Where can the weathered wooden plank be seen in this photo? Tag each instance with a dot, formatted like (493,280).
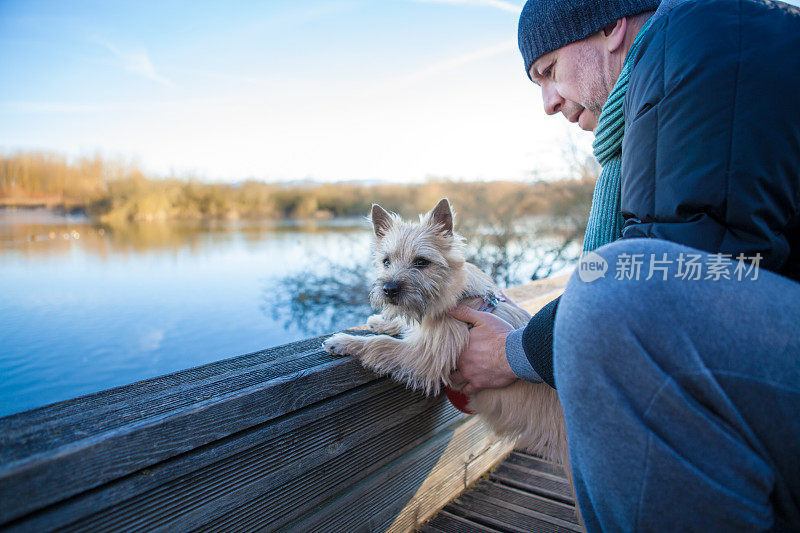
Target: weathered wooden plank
(531,462)
(443,485)
(446,522)
(61,471)
(527,500)
(429,529)
(404,493)
(184,492)
(513,515)
(271,503)
(491,503)
(501,517)
(26,432)
(297,496)
(284,503)
(533,481)
(524,504)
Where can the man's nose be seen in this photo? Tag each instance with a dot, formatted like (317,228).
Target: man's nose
(553,102)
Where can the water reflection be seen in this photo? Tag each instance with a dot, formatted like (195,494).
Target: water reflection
(317,301)
(85,307)
(40,232)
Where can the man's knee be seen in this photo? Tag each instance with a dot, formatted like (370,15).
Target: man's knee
(587,322)
(599,309)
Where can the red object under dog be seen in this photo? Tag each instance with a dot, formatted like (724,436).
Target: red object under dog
(458,399)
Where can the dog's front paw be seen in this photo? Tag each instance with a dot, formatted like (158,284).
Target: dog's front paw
(343,344)
(383,326)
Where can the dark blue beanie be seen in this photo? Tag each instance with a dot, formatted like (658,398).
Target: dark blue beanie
(546,25)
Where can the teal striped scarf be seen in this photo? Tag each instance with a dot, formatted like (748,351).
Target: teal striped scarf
(605,217)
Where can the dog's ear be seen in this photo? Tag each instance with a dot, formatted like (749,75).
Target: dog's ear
(381,220)
(442,216)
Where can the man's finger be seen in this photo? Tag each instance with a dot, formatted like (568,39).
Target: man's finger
(466,314)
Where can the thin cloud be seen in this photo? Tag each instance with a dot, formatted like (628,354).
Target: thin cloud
(498,4)
(138,62)
(453,63)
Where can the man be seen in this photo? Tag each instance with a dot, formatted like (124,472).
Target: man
(675,347)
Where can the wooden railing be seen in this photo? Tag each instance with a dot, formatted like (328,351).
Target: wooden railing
(289,438)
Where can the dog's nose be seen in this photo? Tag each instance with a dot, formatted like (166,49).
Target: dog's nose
(391,289)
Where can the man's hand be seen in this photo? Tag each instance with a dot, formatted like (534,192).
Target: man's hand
(483,363)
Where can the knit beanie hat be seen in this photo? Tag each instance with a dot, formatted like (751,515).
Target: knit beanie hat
(546,25)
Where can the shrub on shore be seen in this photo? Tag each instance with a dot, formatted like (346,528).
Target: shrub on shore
(115,192)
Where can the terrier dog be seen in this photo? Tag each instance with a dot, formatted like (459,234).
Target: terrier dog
(422,274)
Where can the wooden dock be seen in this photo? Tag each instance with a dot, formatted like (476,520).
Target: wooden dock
(286,439)
(523,493)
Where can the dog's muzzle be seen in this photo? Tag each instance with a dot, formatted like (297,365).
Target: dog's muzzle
(391,289)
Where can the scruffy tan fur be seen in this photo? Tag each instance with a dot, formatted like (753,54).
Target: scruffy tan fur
(432,340)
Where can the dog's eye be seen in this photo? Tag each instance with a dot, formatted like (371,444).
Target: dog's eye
(421,262)
(386,262)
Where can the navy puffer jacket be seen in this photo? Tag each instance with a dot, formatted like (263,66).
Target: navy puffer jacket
(711,154)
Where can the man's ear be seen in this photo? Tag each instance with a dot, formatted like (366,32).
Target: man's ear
(381,220)
(614,34)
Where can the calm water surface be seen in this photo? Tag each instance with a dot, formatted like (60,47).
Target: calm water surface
(84,307)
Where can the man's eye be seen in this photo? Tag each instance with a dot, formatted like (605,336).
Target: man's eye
(386,262)
(421,262)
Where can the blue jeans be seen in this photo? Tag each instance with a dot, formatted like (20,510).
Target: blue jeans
(681,396)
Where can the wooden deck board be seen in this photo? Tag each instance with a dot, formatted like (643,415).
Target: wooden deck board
(446,522)
(524,493)
(532,481)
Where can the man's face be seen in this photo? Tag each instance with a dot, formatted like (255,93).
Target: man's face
(574,81)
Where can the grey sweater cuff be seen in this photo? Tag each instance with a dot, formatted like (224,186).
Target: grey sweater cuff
(519,362)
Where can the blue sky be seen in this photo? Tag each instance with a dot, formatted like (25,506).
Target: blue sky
(393,90)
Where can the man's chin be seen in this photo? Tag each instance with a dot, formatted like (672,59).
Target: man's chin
(587,121)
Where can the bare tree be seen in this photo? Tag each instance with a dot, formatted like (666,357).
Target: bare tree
(320,301)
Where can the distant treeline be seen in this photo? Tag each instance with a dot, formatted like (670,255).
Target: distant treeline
(117,192)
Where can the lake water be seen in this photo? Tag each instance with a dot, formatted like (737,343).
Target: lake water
(84,308)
